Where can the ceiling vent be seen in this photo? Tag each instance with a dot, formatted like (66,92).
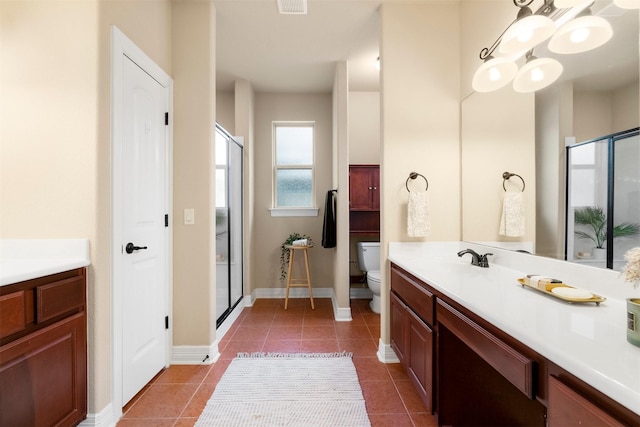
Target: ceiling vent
(292,7)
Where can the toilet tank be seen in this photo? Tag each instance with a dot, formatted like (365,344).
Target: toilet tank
(369,256)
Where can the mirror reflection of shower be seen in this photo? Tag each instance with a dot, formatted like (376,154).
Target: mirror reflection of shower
(603,199)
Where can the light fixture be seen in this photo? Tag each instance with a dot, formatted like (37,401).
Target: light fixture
(627,4)
(527,31)
(565,4)
(536,74)
(378,63)
(571,27)
(292,7)
(584,33)
(494,74)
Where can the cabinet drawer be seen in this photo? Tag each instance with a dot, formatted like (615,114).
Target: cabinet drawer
(517,368)
(59,298)
(13,316)
(414,294)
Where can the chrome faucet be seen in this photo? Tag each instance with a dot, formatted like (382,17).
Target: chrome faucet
(476,258)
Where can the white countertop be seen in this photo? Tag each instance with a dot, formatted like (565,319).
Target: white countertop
(25,259)
(588,341)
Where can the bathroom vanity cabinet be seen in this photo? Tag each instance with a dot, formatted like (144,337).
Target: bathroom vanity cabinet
(412,337)
(469,372)
(364,199)
(43,351)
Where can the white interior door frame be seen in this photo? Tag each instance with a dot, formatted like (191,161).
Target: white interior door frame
(121,47)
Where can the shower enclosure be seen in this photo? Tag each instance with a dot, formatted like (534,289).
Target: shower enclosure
(603,199)
(229,249)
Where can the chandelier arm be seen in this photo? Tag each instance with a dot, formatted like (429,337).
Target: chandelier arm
(522,3)
(486,52)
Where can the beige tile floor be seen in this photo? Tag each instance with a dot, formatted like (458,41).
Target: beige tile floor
(177,396)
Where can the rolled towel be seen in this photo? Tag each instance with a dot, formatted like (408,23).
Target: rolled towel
(418,215)
(512,220)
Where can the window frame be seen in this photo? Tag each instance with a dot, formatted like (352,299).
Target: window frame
(275,167)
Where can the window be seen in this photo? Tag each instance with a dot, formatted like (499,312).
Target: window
(293,169)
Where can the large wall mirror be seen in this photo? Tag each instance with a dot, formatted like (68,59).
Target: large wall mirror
(525,134)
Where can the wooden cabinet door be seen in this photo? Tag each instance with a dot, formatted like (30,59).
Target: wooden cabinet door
(566,408)
(375,192)
(420,358)
(43,376)
(399,321)
(360,188)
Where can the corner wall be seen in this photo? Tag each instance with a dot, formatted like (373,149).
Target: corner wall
(420,116)
(194,291)
(340,181)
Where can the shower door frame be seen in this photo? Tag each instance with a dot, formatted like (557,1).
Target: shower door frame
(231,229)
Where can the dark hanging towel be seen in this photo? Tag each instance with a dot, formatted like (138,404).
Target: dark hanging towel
(329,226)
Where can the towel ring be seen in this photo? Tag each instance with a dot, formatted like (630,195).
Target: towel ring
(507,175)
(414,175)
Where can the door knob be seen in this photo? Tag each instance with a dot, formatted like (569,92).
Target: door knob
(131,247)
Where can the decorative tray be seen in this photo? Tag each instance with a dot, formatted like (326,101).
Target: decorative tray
(564,292)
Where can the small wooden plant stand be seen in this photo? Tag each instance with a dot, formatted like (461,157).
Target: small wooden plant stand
(302,281)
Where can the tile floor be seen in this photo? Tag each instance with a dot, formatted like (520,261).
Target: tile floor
(178,394)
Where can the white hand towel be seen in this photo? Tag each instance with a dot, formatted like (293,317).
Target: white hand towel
(512,220)
(419,216)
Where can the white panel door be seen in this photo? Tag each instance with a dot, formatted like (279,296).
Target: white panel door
(144,337)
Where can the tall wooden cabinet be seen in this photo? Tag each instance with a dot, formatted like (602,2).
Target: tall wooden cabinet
(43,351)
(364,199)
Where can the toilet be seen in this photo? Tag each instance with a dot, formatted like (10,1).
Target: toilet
(369,261)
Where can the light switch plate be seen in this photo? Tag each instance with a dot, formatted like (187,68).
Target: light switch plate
(189,216)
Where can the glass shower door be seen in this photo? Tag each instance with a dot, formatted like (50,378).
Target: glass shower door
(229,215)
(626,203)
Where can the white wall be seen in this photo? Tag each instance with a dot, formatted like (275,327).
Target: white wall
(420,116)
(244,104)
(193,36)
(600,113)
(55,135)
(364,128)
(341,102)
(55,115)
(225,110)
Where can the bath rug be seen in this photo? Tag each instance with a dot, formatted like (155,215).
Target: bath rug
(289,390)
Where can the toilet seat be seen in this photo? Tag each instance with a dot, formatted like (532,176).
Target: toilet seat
(374,275)
(374,283)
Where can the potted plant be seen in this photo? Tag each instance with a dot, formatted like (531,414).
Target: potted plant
(594,218)
(284,251)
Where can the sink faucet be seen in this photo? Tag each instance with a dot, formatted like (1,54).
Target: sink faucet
(477,259)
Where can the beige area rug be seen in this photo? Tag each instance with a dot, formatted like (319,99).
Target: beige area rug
(281,389)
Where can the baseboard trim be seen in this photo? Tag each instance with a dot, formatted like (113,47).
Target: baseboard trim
(195,354)
(104,418)
(293,293)
(386,353)
(340,314)
(360,293)
(230,320)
